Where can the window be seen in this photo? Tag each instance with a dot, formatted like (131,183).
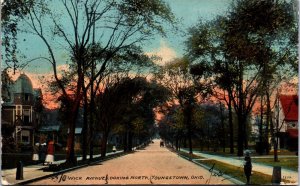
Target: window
(25,136)
(25,139)
(26,120)
(26,97)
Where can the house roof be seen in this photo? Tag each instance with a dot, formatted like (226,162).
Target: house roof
(23,85)
(289,105)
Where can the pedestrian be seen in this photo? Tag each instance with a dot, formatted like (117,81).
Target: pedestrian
(35,152)
(50,152)
(161,143)
(42,152)
(247,166)
(114,149)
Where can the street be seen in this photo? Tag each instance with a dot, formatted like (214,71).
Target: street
(152,165)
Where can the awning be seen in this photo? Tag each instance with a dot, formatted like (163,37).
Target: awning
(293,133)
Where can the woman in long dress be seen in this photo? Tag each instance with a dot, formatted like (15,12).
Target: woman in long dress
(50,152)
(35,156)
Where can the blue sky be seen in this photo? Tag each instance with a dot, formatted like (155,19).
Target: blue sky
(188,11)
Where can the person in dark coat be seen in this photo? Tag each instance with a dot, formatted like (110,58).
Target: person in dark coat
(42,152)
(247,166)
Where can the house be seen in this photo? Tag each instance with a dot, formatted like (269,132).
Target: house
(21,111)
(286,121)
(51,125)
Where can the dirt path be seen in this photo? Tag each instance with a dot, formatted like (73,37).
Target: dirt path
(153,165)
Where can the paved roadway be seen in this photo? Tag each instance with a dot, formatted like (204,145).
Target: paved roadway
(152,165)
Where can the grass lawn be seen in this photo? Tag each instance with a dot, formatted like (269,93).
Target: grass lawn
(257,178)
(288,162)
(219,151)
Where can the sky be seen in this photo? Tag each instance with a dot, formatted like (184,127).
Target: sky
(189,12)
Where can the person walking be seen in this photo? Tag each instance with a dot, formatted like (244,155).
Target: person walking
(35,152)
(247,166)
(50,152)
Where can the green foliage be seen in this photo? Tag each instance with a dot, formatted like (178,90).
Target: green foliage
(12,11)
(129,101)
(247,52)
(153,14)
(6,82)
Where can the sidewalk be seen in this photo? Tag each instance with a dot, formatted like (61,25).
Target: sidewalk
(239,162)
(35,171)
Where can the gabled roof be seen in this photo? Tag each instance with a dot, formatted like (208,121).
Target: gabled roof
(289,105)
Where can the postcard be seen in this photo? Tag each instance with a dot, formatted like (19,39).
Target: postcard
(122,92)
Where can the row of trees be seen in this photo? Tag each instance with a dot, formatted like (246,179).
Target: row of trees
(209,126)
(99,38)
(247,53)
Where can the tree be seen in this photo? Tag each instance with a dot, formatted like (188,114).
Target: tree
(256,28)
(207,54)
(125,101)
(12,12)
(171,127)
(211,125)
(185,89)
(244,45)
(119,26)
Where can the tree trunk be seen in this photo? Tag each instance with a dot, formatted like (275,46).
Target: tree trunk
(103,144)
(190,143)
(223,128)
(267,138)
(277,133)
(271,126)
(84,130)
(125,141)
(70,158)
(241,130)
(261,146)
(176,143)
(240,113)
(91,125)
(245,127)
(276,149)
(230,125)
(240,141)
(188,118)
(130,140)
(184,143)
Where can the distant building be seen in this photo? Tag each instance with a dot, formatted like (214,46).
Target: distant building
(286,117)
(20,111)
(51,125)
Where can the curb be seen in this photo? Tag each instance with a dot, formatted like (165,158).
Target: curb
(235,181)
(70,169)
